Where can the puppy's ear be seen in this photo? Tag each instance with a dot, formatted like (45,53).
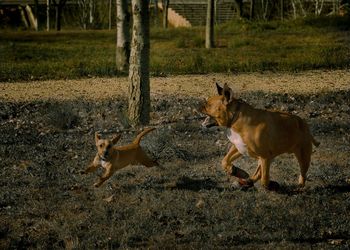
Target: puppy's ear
(219,88)
(97,137)
(228,93)
(116,138)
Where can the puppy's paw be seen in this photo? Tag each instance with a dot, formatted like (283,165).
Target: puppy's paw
(97,184)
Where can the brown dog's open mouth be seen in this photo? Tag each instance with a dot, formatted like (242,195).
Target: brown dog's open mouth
(209,122)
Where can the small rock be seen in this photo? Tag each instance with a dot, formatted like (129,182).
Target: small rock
(200,203)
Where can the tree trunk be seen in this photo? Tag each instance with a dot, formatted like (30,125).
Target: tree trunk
(252,9)
(282,10)
(155,12)
(36,25)
(123,35)
(47,15)
(110,15)
(165,13)
(239,7)
(58,17)
(139,87)
(59,6)
(209,30)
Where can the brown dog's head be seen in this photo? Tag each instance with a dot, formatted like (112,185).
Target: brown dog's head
(104,146)
(217,107)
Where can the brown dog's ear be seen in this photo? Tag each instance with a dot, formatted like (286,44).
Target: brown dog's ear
(116,138)
(219,88)
(228,93)
(97,137)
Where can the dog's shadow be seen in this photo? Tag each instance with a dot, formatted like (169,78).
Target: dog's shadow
(187,183)
(329,189)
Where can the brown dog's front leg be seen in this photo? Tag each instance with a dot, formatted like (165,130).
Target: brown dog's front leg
(105,176)
(93,165)
(226,163)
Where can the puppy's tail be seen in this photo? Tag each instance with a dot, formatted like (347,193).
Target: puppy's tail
(139,136)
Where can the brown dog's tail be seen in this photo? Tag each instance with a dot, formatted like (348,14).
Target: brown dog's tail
(139,136)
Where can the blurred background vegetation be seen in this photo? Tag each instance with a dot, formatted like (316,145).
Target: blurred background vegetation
(302,40)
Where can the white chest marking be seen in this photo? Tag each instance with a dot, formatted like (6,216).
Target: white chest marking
(236,139)
(104,164)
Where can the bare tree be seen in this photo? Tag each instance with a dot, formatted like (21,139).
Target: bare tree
(139,87)
(165,13)
(239,7)
(47,15)
(59,4)
(83,12)
(318,7)
(123,35)
(282,10)
(110,15)
(155,12)
(209,31)
(252,9)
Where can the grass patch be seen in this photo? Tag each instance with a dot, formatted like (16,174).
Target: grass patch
(241,46)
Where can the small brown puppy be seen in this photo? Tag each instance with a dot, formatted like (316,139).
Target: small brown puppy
(113,158)
(261,134)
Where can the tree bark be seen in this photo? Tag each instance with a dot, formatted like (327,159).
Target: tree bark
(47,15)
(282,10)
(110,15)
(139,86)
(123,35)
(59,6)
(155,12)
(58,17)
(239,7)
(209,30)
(252,9)
(165,13)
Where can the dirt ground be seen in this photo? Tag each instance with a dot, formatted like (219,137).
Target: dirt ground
(46,139)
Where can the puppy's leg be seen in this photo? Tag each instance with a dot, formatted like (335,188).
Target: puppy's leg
(145,160)
(93,165)
(107,174)
(304,157)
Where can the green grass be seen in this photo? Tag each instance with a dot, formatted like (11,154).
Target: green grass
(242,46)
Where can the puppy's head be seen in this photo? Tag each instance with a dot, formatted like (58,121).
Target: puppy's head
(217,107)
(104,146)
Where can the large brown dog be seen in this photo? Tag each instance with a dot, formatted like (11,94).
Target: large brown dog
(260,134)
(113,158)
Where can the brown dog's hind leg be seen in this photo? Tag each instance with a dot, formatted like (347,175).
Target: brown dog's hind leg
(304,157)
(145,160)
(265,172)
(257,175)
